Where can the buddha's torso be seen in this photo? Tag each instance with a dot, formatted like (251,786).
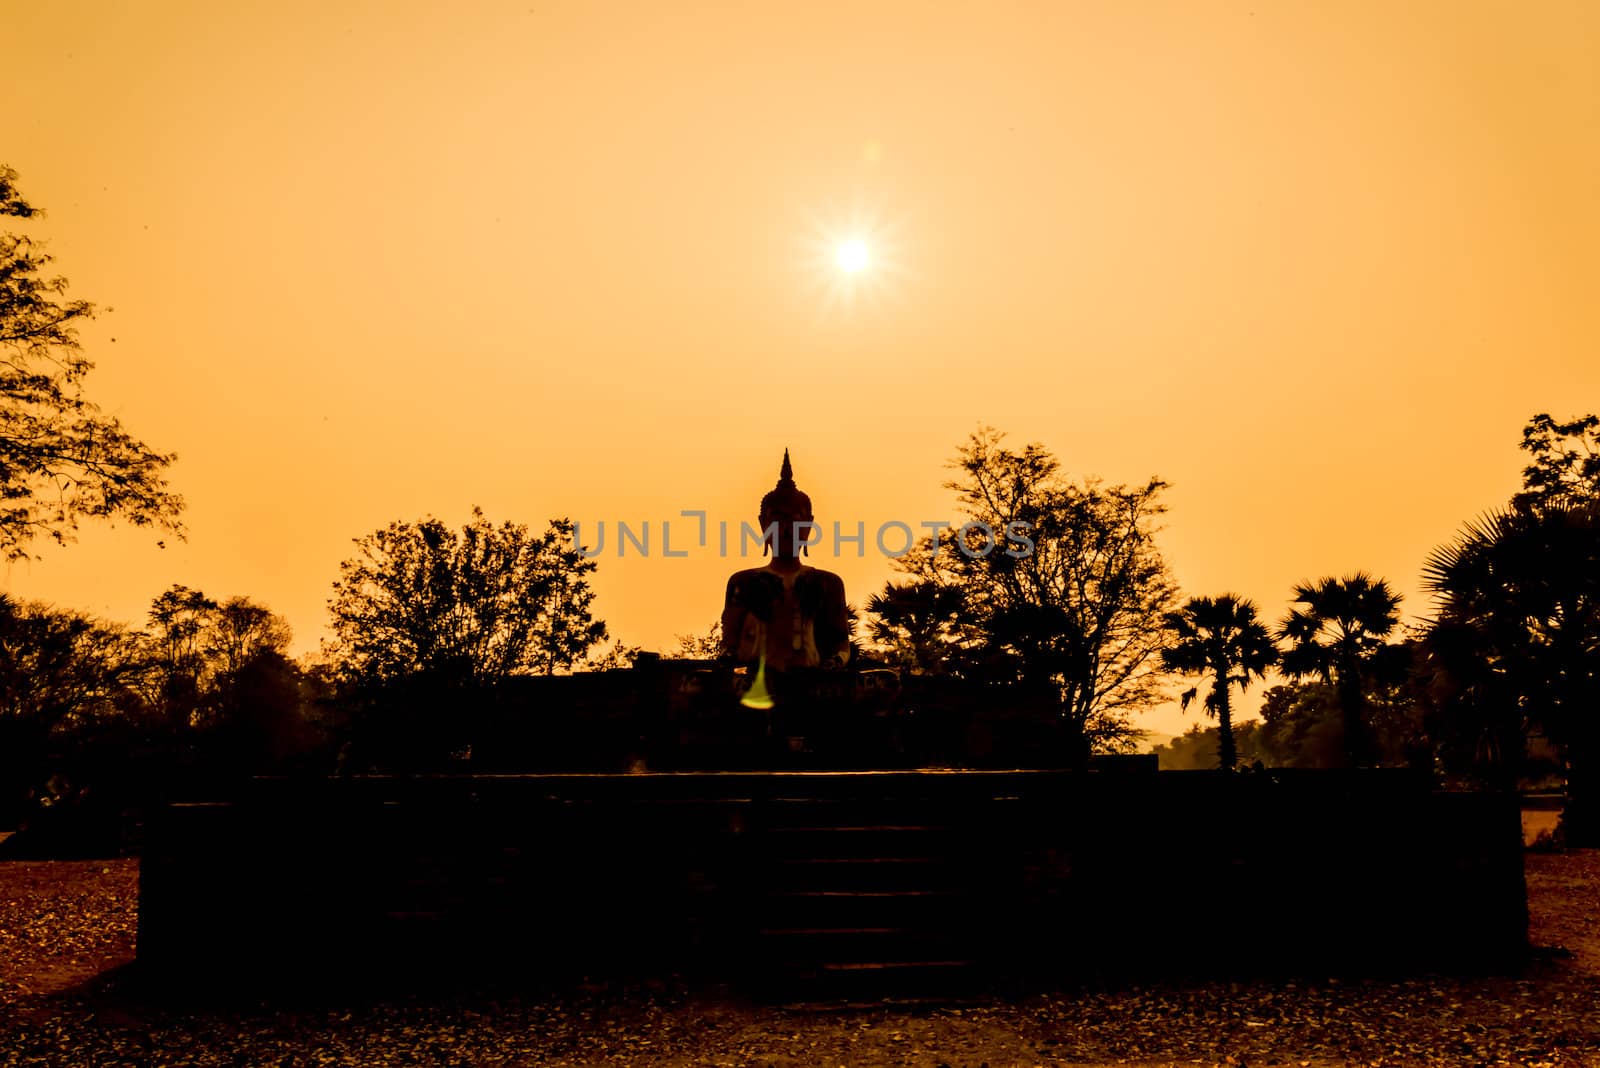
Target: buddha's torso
(777,611)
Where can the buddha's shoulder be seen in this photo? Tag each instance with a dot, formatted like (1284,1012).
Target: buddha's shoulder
(752,576)
(825,579)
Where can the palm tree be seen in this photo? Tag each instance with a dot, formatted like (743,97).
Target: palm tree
(1337,634)
(1519,599)
(1223,638)
(919,624)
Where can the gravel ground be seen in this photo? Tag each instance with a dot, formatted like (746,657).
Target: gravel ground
(66,926)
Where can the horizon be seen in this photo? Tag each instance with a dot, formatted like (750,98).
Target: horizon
(1315,269)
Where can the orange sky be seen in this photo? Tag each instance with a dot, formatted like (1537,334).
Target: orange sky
(1313,264)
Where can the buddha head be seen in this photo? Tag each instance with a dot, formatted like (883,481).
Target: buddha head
(790,509)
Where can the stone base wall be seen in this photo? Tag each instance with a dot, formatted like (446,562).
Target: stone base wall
(455,881)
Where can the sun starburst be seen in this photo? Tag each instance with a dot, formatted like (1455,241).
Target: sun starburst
(854,260)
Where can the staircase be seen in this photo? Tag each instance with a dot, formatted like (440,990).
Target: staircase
(862,898)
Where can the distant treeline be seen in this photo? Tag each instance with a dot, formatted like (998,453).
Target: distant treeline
(1300,726)
(1089,627)
(429,621)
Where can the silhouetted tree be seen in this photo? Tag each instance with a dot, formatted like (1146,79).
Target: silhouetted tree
(468,607)
(1076,611)
(179,619)
(1565,461)
(705,646)
(96,719)
(920,626)
(241,631)
(64,677)
(1196,748)
(1339,634)
(60,668)
(263,712)
(1476,716)
(200,651)
(1302,726)
(60,458)
(1517,638)
(1223,638)
(615,657)
(1302,723)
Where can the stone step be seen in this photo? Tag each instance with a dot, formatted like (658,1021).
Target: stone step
(855,947)
(871,908)
(930,981)
(872,840)
(846,874)
(864,812)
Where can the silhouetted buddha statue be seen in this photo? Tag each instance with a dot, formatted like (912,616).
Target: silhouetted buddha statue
(787,615)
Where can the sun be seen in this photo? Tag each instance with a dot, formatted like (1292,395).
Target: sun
(852,256)
(855,260)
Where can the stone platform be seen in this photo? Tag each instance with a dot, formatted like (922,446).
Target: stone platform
(781,879)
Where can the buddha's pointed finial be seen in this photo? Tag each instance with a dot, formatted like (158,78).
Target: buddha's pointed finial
(786,496)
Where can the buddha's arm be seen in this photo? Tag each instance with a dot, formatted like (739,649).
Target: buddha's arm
(732,619)
(833,625)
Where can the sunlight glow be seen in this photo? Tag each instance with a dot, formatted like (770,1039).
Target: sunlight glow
(854,260)
(852,255)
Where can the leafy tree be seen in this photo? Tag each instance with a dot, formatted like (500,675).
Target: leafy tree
(1476,715)
(1072,610)
(1196,748)
(1515,645)
(705,646)
(1302,724)
(564,628)
(241,632)
(199,651)
(61,459)
(1516,642)
(64,677)
(1339,635)
(469,607)
(179,620)
(616,657)
(96,717)
(257,700)
(1565,460)
(1223,638)
(263,712)
(61,669)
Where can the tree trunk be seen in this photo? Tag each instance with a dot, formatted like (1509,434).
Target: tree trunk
(1227,756)
(1357,743)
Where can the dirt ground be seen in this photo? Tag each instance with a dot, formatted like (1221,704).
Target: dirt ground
(65,927)
(1564,905)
